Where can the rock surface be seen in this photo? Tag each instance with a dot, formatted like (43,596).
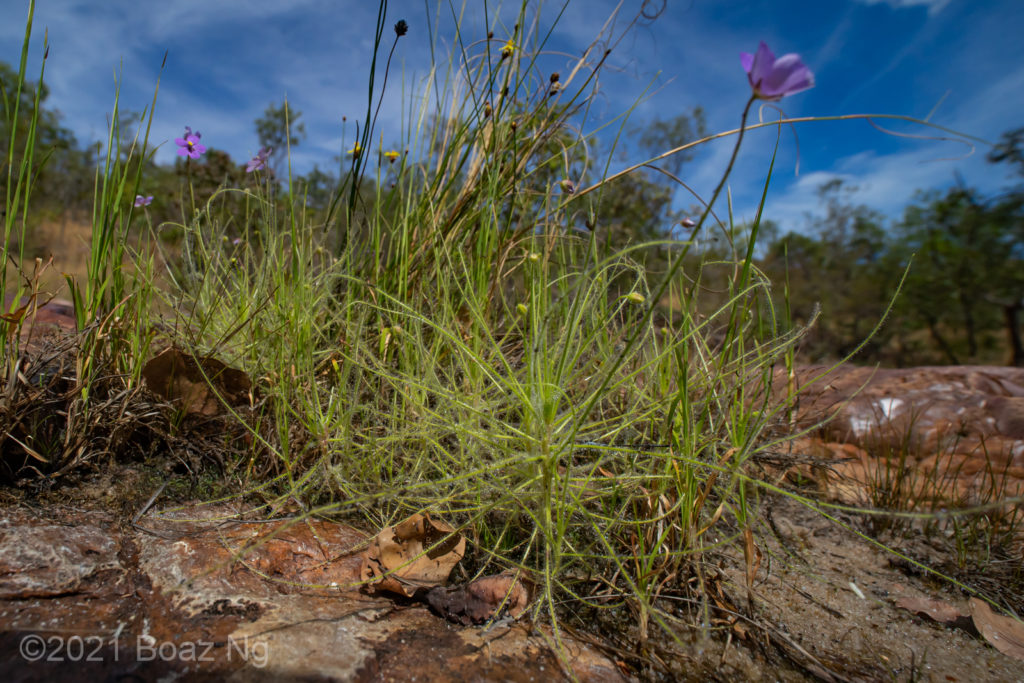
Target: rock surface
(85,597)
(952,433)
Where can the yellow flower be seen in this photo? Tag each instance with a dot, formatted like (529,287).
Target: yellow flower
(391,155)
(356,150)
(521,309)
(508,48)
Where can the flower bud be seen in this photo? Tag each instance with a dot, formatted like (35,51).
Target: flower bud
(635,298)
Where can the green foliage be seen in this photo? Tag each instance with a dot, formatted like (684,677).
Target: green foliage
(279,128)
(438,335)
(464,348)
(843,266)
(62,171)
(638,207)
(968,277)
(962,297)
(654,137)
(1010,149)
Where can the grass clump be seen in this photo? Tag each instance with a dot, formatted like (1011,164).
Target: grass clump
(454,341)
(450,333)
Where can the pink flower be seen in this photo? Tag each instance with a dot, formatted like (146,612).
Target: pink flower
(189,145)
(773,79)
(260,160)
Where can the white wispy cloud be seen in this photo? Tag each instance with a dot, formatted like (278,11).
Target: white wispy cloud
(229,59)
(933,6)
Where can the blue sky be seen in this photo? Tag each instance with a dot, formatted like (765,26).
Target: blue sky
(228,59)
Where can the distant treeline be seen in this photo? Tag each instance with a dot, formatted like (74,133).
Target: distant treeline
(961,297)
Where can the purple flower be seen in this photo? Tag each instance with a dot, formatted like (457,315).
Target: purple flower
(773,79)
(143,201)
(189,145)
(260,160)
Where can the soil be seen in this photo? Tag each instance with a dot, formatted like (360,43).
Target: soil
(823,605)
(834,595)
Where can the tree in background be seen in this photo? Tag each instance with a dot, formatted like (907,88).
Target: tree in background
(967,277)
(962,298)
(279,129)
(660,135)
(1010,149)
(63,172)
(841,263)
(1011,208)
(639,206)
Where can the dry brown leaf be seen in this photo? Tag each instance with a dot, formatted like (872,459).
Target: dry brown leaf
(13,319)
(937,610)
(419,553)
(178,376)
(483,599)
(1003,633)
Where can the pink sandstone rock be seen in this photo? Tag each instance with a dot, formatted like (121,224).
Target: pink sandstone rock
(957,432)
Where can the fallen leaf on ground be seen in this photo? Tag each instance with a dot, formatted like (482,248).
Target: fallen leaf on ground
(195,382)
(481,600)
(936,610)
(1005,634)
(417,554)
